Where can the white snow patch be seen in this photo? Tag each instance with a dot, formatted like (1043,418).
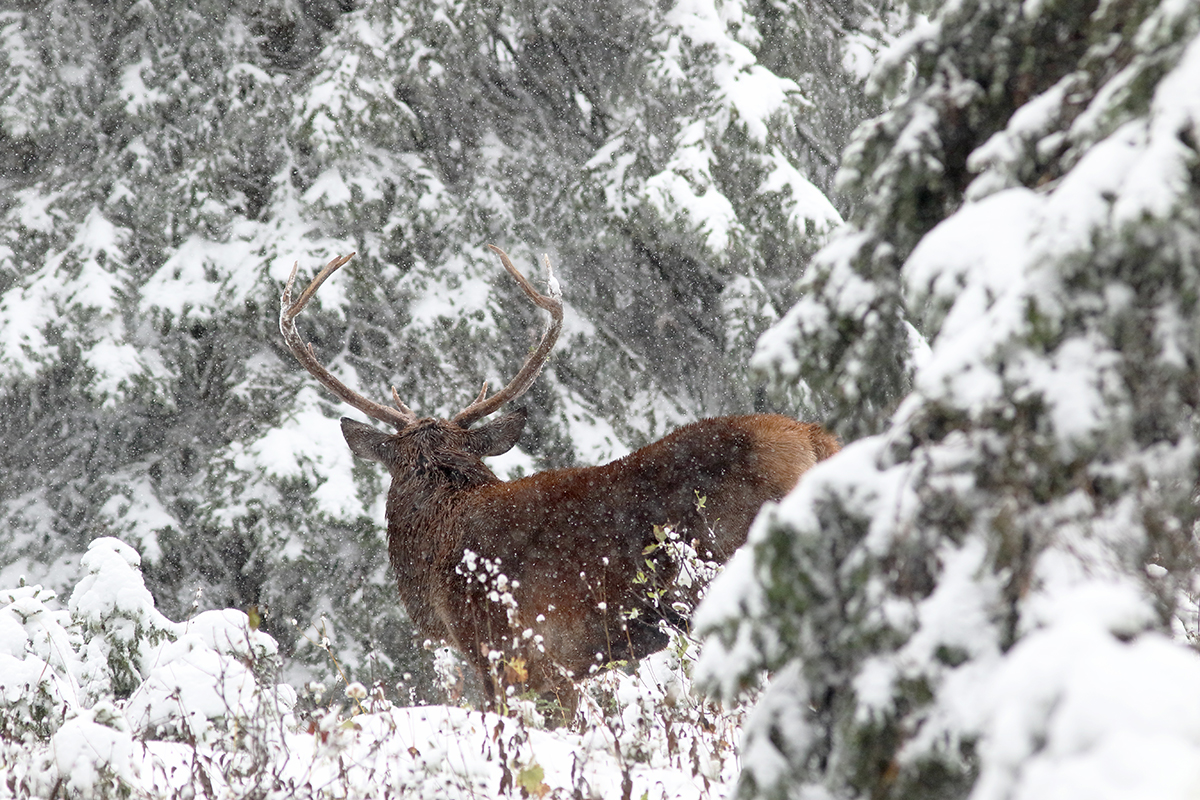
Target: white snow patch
(594,439)
(307,445)
(685,187)
(135,510)
(809,205)
(516,462)
(134,91)
(749,89)
(196,279)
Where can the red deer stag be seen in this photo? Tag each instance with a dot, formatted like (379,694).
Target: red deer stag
(543,569)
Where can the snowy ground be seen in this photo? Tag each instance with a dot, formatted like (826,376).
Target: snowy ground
(105,697)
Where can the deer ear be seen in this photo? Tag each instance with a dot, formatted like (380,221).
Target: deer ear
(498,436)
(365,441)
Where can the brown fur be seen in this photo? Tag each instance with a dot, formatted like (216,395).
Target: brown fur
(569,541)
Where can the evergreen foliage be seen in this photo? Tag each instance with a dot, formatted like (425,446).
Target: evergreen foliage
(977,599)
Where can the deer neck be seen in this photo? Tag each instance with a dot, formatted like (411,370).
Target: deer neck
(423,504)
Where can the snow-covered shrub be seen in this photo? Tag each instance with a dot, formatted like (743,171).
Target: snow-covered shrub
(214,669)
(93,754)
(38,663)
(979,601)
(117,618)
(82,688)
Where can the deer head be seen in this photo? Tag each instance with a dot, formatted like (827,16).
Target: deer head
(450,437)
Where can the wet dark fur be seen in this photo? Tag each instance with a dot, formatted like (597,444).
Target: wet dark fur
(567,540)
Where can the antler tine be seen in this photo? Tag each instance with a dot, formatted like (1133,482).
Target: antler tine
(306,354)
(400,405)
(308,293)
(482,394)
(483,405)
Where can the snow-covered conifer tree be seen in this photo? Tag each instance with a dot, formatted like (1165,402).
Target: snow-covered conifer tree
(987,597)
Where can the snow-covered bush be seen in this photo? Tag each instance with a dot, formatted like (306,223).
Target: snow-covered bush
(988,598)
(38,658)
(83,687)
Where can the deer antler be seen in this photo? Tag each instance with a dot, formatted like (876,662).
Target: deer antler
(484,405)
(307,356)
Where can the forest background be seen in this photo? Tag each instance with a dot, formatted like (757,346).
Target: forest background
(1004,330)
(165,167)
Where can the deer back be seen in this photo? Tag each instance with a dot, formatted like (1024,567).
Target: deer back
(573,539)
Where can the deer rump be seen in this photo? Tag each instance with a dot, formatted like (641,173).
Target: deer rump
(570,543)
